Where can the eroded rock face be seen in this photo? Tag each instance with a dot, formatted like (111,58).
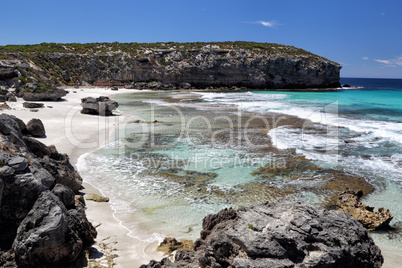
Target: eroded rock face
(349,201)
(98,106)
(263,66)
(282,234)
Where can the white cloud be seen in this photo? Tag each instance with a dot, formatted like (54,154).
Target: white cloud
(383,61)
(365,58)
(392,62)
(270,24)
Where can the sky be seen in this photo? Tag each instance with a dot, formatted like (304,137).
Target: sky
(364,36)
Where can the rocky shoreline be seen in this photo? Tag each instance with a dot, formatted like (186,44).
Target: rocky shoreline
(59,199)
(280,234)
(41,220)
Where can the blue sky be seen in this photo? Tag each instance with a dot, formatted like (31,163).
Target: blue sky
(365,36)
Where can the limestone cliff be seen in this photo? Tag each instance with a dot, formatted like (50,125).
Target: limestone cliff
(227,64)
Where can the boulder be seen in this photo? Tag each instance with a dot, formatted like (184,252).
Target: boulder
(3,98)
(35,223)
(36,147)
(42,175)
(54,95)
(12,132)
(4,106)
(65,194)
(282,234)
(349,201)
(18,163)
(8,125)
(61,169)
(22,126)
(35,128)
(32,105)
(44,237)
(4,172)
(79,223)
(114,88)
(20,192)
(185,85)
(98,106)
(11,97)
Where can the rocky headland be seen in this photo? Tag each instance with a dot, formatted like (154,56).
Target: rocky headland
(41,223)
(41,68)
(281,234)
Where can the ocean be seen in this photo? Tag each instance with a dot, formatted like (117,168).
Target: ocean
(182,155)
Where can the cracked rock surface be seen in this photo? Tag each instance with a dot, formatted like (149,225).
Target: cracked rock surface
(282,234)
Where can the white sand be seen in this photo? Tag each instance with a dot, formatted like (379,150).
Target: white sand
(74,133)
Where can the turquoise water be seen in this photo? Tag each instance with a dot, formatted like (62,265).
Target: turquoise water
(166,190)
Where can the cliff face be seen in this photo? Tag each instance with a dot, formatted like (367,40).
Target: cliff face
(202,65)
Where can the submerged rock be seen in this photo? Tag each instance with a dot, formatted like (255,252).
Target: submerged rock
(170,244)
(349,201)
(96,198)
(282,234)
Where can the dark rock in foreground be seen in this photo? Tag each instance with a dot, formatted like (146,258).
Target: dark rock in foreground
(349,201)
(39,220)
(282,234)
(44,236)
(98,106)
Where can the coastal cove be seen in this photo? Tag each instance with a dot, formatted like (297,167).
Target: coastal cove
(170,179)
(167,159)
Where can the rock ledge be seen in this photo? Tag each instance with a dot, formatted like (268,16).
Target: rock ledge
(281,234)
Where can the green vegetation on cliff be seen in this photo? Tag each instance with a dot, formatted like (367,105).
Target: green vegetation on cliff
(41,67)
(135,49)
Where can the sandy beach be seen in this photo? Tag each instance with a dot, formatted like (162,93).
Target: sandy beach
(75,134)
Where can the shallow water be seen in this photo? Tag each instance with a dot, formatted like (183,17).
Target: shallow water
(162,178)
